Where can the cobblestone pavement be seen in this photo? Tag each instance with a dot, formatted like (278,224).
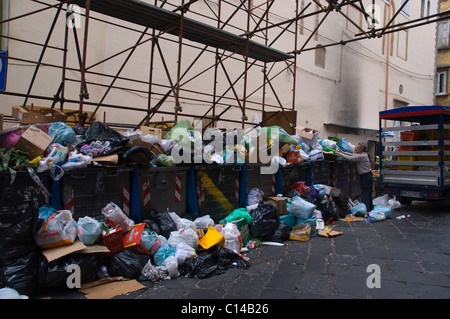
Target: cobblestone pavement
(413,255)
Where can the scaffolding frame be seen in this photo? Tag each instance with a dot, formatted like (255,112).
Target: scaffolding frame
(257,25)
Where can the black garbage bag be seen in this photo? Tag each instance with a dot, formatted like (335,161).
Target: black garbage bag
(138,154)
(161,223)
(281,234)
(213,261)
(101,132)
(54,274)
(329,209)
(265,221)
(19,254)
(127,263)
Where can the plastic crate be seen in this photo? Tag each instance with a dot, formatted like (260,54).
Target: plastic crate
(17,197)
(217,189)
(162,189)
(86,191)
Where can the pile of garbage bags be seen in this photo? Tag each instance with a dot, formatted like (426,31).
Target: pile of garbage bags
(162,247)
(77,147)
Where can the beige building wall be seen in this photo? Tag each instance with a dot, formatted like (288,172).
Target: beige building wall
(339,93)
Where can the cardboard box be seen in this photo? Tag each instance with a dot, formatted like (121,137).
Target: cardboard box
(153,148)
(34,141)
(279,203)
(286,148)
(39,115)
(145,130)
(113,240)
(132,239)
(308,135)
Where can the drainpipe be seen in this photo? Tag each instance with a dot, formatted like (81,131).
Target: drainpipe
(388,52)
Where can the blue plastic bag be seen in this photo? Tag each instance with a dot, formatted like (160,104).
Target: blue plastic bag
(62,133)
(359,209)
(344,145)
(162,253)
(386,210)
(301,208)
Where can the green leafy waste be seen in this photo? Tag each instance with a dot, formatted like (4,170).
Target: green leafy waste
(11,159)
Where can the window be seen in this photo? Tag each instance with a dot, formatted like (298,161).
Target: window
(443,34)
(441,83)
(402,44)
(424,8)
(320,56)
(407,8)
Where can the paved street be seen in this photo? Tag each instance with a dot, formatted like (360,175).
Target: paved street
(413,255)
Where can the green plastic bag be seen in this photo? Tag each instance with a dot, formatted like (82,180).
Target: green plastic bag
(238,214)
(284,137)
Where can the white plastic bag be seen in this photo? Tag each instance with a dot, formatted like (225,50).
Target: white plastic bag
(186,235)
(167,145)
(381,201)
(395,204)
(172,266)
(59,229)
(316,155)
(88,230)
(116,216)
(184,251)
(155,273)
(182,222)
(233,238)
(204,222)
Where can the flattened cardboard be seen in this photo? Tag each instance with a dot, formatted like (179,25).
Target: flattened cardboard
(111,289)
(58,252)
(329,233)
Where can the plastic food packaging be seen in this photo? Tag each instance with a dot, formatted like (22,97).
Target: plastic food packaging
(116,217)
(58,230)
(300,232)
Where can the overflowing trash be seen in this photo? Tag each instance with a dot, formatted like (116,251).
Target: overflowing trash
(38,249)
